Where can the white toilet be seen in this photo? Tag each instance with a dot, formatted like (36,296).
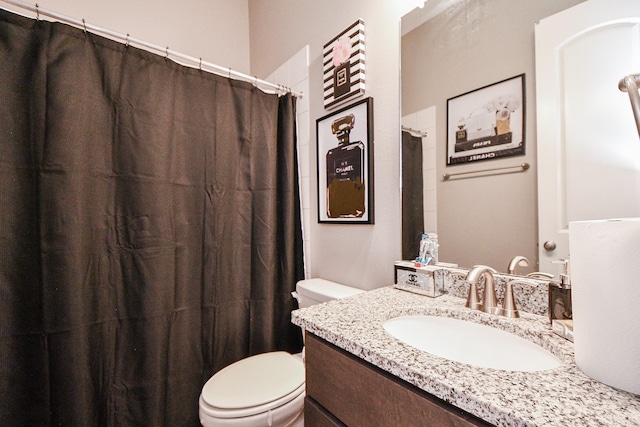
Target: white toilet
(266,389)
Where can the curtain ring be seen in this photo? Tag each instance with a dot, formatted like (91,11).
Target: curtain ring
(37,12)
(127,41)
(84,24)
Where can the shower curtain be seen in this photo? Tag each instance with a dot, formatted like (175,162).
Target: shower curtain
(149,229)
(412,196)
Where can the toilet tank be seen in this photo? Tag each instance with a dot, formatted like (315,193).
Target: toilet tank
(316,291)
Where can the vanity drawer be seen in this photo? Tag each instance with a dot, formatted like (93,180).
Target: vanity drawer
(316,416)
(362,395)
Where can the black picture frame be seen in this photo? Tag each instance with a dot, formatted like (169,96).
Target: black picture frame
(345,164)
(487,123)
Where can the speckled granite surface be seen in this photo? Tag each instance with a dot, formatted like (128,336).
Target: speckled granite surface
(558,397)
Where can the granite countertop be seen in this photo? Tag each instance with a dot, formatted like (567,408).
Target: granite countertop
(562,396)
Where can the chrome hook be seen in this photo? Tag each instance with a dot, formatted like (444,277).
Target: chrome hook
(37,12)
(127,41)
(166,53)
(200,65)
(229,72)
(84,24)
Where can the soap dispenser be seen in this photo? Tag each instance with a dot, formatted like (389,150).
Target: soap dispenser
(560,308)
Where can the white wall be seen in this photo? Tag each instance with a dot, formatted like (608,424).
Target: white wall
(215,30)
(294,73)
(356,255)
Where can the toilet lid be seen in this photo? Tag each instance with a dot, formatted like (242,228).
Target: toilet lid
(254,381)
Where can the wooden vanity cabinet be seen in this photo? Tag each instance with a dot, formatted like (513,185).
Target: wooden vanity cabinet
(344,390)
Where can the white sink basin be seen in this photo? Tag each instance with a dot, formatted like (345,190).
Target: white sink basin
(471,343)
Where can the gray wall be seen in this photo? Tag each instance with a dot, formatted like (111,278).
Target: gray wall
(489,219)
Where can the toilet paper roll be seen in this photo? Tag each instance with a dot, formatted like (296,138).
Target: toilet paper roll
(605,270)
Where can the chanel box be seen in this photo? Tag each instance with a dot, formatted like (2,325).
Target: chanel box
(427,280)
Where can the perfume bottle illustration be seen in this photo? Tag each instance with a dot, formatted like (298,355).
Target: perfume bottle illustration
(345,167)
(342,67)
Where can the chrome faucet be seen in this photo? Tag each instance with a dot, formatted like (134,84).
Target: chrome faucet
(518,260)
(521,261)
(489,300)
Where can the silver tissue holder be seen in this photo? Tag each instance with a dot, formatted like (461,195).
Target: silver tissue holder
(427,280)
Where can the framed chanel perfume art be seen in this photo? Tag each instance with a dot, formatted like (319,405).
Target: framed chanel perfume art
(345,164)
(487,123)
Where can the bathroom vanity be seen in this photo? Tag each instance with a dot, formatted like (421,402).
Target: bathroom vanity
(345,390)
(359,375)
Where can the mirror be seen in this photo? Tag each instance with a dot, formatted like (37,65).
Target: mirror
(450,48)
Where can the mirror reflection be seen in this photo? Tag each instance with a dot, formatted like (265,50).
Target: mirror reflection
(449,48)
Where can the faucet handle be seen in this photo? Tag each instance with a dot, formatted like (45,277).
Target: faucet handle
(509,308)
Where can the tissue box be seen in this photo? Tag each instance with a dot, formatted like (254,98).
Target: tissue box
(427,280)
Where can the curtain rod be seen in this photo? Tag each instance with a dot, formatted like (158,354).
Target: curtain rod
(419,132)
(168,53)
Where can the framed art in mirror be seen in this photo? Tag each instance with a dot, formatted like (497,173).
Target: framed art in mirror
(487,123)
(345,164)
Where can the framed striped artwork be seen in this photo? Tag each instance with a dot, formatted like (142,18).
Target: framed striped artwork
(344,66)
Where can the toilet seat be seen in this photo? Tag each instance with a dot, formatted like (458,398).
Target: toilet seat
(254,385)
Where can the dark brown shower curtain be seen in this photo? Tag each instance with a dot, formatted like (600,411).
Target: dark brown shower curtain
(412,196)
(149,229)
